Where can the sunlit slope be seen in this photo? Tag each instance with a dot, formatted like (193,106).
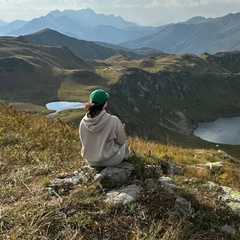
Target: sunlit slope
(160,98)
(35,74)
(35,150)
(173,92)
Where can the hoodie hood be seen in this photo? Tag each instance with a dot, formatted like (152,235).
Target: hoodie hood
(96,124)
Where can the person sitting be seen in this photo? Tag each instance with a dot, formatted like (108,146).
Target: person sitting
(102,135)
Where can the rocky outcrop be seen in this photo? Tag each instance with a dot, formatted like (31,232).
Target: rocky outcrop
(121,188)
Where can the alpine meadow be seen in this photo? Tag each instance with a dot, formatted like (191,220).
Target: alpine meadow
(163,81)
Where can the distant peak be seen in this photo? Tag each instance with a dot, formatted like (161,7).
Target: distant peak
(196,20)
(55,11)
(45,30)
(88,10)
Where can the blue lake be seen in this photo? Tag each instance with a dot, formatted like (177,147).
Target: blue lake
(63,105)
(223,130)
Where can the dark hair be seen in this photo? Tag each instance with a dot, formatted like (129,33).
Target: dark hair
(92,109)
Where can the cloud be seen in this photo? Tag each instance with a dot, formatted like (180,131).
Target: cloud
(186,3)
(144,12)
(111,4)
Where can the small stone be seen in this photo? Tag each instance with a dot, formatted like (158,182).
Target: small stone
(211,186)
(228,229)
(182,206)
(152,186)
(168,184)
(124,195)
(172,169)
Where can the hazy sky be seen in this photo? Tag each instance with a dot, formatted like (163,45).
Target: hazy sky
(144,12)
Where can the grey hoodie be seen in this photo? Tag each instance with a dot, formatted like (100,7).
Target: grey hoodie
(103,139)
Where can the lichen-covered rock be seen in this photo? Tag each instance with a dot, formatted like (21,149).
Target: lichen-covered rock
(211,186)
(88,175)
(124,195)
(67,182)
(172,169)
(167,184)
(152,185)
(215,167)
(182,206)
(117,173)
(232,199)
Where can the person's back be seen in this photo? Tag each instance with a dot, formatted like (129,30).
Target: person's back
(102,135)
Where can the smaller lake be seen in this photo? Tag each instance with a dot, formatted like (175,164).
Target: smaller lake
(223,130)
(63,105)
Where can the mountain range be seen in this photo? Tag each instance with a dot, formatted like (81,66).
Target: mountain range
(86,49)
(211,36)
(83,24)
(197,35)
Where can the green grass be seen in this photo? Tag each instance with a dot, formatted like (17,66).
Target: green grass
(35,150)
(75,85)
(198,87)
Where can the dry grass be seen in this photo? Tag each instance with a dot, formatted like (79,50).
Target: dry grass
(35,150)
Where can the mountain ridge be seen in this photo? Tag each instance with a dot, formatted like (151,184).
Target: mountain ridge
(82,48)
(80,24)
(196,35)
(211,36)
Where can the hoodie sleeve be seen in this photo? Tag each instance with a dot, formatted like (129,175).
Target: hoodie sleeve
(120,133)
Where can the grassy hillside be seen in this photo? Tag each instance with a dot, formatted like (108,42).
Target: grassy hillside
(81,48)
(165,97)
(159,98)
(31,76)
(35,150)
(16,52)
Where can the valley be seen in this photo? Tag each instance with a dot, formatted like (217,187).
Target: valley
(159,98)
